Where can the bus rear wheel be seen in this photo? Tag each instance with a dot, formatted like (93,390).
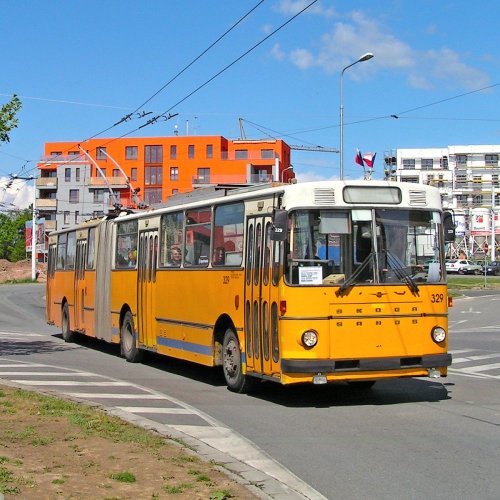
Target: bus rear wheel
(231,364)
(67,334)
(128,345)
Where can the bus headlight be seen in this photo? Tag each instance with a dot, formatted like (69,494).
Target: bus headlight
(309,339)
(438,334)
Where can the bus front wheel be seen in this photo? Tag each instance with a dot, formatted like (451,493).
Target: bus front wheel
(129,348)
(67,334)
(231,364)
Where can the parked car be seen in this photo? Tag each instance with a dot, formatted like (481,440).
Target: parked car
(492,268)
(462,266)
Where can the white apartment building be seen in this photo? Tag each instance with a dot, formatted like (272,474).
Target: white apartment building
(468,180)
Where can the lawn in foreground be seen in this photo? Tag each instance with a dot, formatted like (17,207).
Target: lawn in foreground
(54,448)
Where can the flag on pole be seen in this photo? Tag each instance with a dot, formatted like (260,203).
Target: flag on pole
(359,159)
(369,159)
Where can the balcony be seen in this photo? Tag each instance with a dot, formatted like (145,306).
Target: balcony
(46,183)
(232,179)
(50,225)
(114,182)
(63,159)
(46,204)
(251,155)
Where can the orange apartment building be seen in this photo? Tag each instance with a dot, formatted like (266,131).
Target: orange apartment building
(77,182)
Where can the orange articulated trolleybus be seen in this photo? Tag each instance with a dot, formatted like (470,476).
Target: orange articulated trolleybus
(299,283)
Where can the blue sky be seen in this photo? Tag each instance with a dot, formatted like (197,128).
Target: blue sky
(80,66)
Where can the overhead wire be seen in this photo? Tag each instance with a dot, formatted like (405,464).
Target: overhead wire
(179,73)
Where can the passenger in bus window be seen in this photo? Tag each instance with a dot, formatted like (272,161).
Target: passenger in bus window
(219,256)
(175,257)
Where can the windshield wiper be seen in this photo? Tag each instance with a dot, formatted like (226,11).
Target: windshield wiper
(354,276)
(401,273)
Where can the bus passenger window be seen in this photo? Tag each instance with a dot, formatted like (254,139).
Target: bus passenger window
(198,237)
(172,228)
(228,235)
(126,245)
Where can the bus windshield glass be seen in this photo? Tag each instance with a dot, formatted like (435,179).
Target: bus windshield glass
(364,246)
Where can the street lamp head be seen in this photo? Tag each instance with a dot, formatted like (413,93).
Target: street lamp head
(366,57)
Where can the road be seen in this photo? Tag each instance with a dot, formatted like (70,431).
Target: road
(408,438)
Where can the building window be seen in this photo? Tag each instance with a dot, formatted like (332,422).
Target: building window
(266,154)
(153,175)
(66,218)
(133,174)
(461,159)
(56,153)
(494,180)
(131,152)
(444,163)
(191,151)
(175,191)
(116,172)
(174,173)
(77,174)
(477,179)
(173,152)
(97,213)
(461,200)
(99,196)
(477,200)
(409,164)
(101,153)
(152,195)
(241,154)
(204,174)
(67,174)
(77,216)
(153,154)
(460,179)
(210,151)
(491,160)
(73,153)
(74,195)
(427,163)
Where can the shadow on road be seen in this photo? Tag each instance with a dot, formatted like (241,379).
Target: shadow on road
(385,392)
(25,348)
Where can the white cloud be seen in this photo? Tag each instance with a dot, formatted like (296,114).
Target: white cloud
(18,196)
(358,34)
(277,53)
(292,7)
(302,58)
(446,65)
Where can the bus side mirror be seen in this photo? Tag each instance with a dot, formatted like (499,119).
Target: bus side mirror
(448,227)
(280,225)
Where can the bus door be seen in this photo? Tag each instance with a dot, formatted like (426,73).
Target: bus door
(260,295)
(146,279)
(80,288)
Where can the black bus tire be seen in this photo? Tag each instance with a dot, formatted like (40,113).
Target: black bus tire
(67,334)
(128,345)
(232,367)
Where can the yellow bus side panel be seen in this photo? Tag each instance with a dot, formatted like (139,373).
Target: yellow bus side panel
(189,303)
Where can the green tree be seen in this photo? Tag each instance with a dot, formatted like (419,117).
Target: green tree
(8,120)
(12,235)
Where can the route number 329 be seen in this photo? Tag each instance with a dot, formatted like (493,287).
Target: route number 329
(437,297)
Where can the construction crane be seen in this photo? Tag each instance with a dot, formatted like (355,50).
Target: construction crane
(320,149)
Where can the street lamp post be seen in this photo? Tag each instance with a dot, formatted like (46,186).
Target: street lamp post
(364,57)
